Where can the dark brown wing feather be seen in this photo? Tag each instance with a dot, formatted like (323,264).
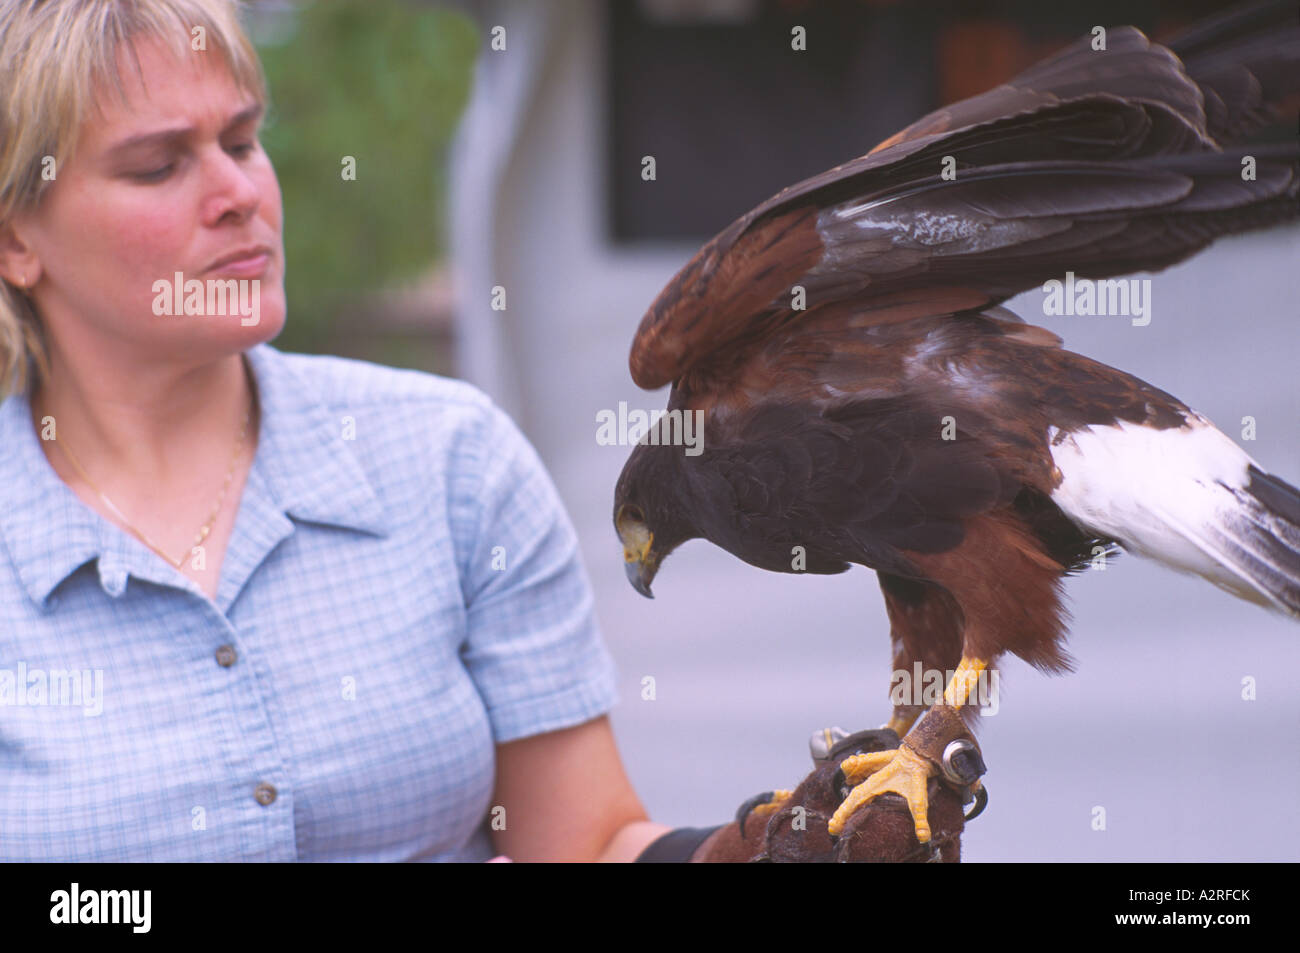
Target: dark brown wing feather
(873,442)
(1102,163)
(858,482)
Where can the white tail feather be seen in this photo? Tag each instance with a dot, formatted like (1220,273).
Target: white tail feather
(1182,496)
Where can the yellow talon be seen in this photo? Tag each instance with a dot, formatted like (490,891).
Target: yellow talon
(772,806)
(858,767)
(761,804)
(904,771)
(901,771)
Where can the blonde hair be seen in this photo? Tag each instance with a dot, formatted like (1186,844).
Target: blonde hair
(55,56)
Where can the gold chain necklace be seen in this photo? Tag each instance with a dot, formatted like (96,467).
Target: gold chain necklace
(204,530)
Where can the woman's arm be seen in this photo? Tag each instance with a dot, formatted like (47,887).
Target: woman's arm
(567,798)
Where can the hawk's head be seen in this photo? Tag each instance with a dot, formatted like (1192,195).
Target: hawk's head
(650,515)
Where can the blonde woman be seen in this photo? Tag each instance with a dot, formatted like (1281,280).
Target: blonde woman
(253,605)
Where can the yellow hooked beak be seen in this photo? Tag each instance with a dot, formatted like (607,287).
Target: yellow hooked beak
(639,562)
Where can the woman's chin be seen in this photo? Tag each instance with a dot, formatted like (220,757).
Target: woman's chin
(243,332)
(221,337)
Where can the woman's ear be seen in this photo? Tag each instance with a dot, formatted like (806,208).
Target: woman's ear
(19,264)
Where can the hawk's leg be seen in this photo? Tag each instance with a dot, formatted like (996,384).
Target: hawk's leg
(925,631)
(904,718)
(907,769)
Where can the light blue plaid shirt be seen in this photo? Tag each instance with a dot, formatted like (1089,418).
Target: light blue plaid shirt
(402,591)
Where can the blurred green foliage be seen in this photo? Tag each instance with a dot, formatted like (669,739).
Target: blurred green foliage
(383,81)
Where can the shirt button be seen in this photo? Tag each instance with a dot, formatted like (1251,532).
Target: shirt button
(265,794)
(226,656)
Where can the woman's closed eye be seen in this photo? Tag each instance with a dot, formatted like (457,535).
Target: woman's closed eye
(156,176)
(241,150)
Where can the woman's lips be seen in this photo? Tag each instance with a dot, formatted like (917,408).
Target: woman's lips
(250,267)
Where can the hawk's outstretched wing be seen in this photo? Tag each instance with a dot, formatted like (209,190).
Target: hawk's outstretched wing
(1100,162)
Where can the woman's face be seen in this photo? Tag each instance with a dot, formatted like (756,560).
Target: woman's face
(126,212)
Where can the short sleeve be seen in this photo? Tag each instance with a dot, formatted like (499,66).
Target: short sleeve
(532,645)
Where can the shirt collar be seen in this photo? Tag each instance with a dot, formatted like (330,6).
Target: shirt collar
(302,469)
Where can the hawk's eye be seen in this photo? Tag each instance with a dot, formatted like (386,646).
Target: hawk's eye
(631,512)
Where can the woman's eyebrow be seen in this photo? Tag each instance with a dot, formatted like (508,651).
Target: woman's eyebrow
(243,116)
